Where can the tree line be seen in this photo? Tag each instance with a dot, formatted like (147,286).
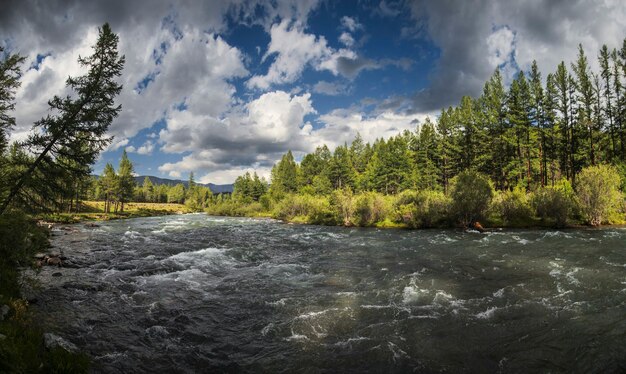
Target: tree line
(531,141)
(117,188)
(530,135)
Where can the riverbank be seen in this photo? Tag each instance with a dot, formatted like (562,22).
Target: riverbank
(94,211)
(24,346)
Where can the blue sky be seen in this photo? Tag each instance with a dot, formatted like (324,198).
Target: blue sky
(224,87)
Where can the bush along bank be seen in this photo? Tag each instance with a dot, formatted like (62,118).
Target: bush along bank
(471,202)
(24,347)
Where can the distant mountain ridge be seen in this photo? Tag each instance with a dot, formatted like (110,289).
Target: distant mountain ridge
(215,188)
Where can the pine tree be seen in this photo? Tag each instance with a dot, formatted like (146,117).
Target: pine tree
(125,180)
(427,157)
(448,148)
(341,173)
(10,73)
(606,73)
(493,114)
(109,184)
(148,190)
(284,176)
(585,131)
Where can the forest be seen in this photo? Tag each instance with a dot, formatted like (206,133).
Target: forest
(547,150)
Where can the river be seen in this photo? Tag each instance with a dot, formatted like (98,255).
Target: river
(194,293)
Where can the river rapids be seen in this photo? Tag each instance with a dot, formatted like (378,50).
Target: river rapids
(194,293)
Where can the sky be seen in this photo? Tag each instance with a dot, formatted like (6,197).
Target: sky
(219,88)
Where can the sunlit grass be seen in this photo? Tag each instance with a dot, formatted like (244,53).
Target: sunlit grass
(94,211)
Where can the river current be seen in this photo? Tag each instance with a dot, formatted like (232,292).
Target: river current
(194,293)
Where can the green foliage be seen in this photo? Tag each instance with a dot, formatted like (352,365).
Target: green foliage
(10,73)
(370,208)
(20,238)
(513,206)
(471,194)
(125,181)
(554,203)
(176,194)
(70,138)
(344,203)
(598,193)
(421,209)
(248,188)
(21,351)
(284,176)
(305,209)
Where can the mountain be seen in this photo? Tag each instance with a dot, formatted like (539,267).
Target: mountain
(215,188)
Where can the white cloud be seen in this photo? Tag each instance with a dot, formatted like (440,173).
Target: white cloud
(294,50)
(350,24)
(346,39)
(146,148)
(341,126)
(229,176)
(500,45)
(257,134)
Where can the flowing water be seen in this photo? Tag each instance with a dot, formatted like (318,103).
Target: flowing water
(194,293)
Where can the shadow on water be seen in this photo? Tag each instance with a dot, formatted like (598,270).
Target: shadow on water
(195,293)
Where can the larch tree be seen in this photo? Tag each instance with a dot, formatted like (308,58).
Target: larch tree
(77,125)
(125,180)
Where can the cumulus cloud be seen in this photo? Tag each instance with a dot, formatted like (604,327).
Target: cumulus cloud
(341,125)
(294,50)
(254,135)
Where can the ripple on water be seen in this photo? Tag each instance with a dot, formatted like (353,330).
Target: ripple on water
(263,296)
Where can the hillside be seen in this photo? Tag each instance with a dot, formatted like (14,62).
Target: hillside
(215,188)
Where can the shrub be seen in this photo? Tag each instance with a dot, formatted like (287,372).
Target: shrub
(343,203)
(513,206)
(305,209)
(421,209)
(370,208)
(598,193)
(20,237)
(554,203)
(320,211)
(291,206)
(471,194)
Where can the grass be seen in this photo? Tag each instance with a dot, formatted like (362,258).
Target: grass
(94,211)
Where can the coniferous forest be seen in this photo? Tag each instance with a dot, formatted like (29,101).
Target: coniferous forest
(535,142)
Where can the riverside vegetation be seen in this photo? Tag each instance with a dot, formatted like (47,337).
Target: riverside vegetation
(46,172)
(542,153)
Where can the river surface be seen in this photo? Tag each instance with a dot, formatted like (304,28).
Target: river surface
(194,293)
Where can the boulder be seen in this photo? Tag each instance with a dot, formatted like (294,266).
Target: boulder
(40,256)
(54,261)
(478,227)
(4,310)
(52,341)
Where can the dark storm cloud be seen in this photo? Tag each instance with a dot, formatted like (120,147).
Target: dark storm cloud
(546,30)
